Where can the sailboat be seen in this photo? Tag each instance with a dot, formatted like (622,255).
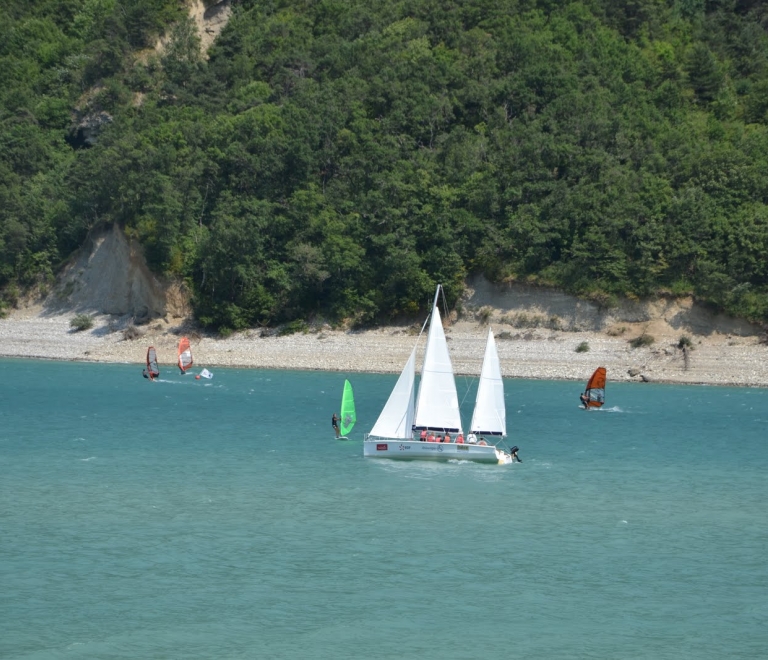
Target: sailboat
(153,371)
(185,355)
(437,407)
(348,416)
(594,395)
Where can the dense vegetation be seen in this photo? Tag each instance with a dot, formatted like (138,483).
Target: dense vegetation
(341,156)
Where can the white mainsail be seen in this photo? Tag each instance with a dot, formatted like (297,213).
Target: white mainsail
(396,420)
(438,404)
(490,416)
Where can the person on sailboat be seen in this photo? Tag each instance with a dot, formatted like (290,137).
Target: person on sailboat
(335,424)
(447,437)
(472,439)
(423,435)
(460,439)
(513,453)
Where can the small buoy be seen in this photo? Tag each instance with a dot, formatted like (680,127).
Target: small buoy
(197,377)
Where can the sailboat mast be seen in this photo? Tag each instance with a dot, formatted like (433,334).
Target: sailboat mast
(437,295)
(430,319)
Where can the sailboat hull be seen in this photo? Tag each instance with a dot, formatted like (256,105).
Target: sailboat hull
(412,450)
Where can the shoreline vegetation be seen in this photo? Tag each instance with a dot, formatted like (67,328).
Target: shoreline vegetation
(528,353)
(340,159)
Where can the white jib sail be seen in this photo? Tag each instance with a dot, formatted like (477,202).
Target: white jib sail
(396,419)
(490,416)
(438,404)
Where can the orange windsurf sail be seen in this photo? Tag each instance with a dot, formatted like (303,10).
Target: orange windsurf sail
(595,392)
(185,355)
(152,369)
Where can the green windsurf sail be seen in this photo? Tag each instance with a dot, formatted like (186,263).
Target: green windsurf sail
(348,417)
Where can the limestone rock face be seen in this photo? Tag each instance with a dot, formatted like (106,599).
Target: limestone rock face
(663,318)
(85,133)
(211,18)
(110,276)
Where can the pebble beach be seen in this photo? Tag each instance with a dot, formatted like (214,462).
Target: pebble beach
(539,353)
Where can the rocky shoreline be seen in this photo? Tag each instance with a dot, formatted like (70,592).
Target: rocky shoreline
(535,353)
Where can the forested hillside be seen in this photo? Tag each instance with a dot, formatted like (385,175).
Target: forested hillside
(340,157)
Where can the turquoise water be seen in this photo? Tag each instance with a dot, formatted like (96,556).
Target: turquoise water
(191,519)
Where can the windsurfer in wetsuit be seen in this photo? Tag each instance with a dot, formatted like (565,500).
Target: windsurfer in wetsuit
(335,423)
(584,399)
(144,373)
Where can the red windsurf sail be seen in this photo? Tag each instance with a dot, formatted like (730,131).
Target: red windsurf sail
(185,355)
(595,392)
(152,369)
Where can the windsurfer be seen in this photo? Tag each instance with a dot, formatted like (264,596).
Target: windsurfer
(594,394)
(144,373)
(335,423)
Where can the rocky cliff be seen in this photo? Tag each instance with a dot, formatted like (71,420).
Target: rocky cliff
(109,275)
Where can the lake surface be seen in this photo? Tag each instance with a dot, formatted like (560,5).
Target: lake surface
(220,519)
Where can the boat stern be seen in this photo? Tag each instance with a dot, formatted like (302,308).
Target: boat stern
(503,457)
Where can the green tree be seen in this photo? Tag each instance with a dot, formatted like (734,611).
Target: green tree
(704,73)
